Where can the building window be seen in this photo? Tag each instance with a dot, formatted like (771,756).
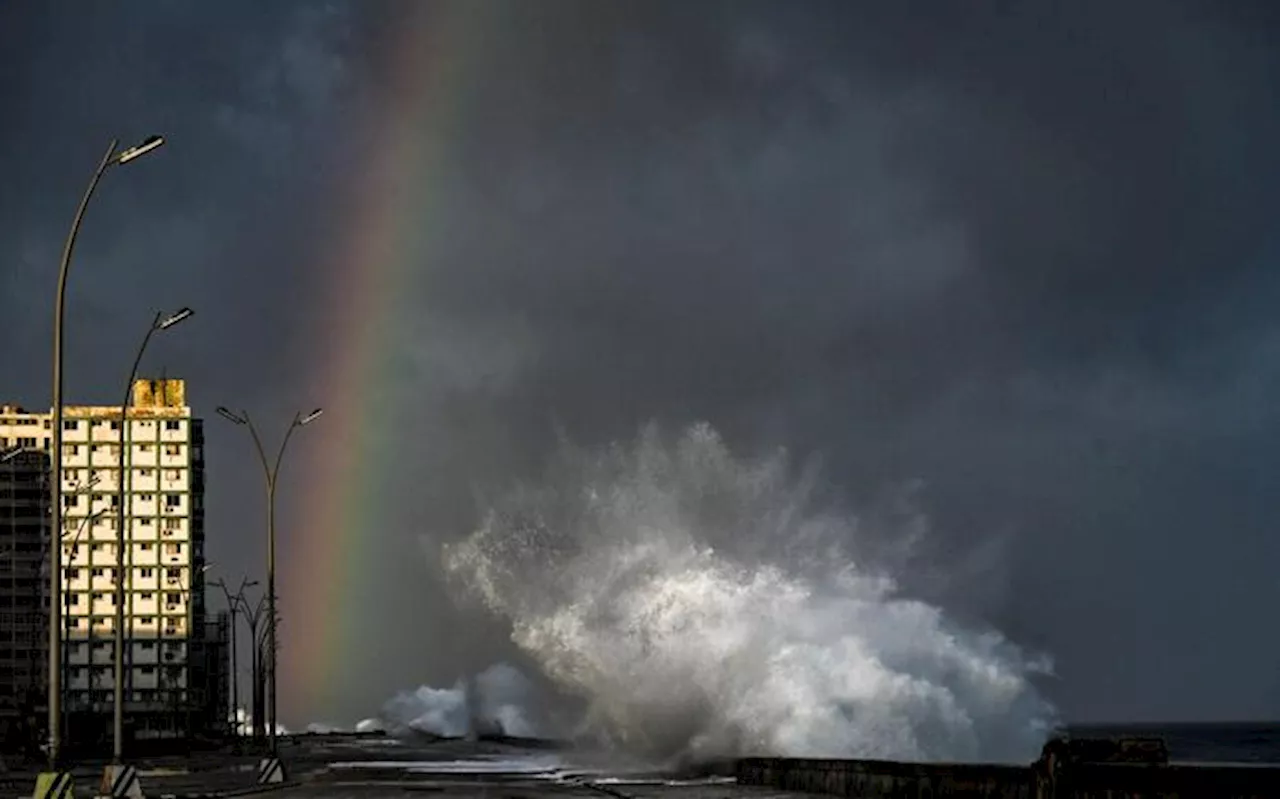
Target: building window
(173,574)
(144,472)
(69,424)
(146,596)
(172,500)
(144,448)
(146,620)
(172,425)
(173,549)
(99,572)
(172,598)
(173,449)
(145,521)
(147,574)
(145,547)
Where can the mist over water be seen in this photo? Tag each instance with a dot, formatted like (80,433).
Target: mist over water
(703,605)
(497,701)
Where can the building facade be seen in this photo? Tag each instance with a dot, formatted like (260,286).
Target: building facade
(24,535)
(147,479)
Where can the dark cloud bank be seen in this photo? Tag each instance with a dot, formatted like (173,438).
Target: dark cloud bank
(1008,268)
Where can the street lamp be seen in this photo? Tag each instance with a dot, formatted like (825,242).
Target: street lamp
(147,145)
(233,606)
(111,158)
(270,473)
(123,474)
(252,616)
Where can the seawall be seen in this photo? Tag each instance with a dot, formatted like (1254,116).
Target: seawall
(883,778)
(1085,769)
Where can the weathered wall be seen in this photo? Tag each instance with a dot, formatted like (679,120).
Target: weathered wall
(878,778)
(882,778)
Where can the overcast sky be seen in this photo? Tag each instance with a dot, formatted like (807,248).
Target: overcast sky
(1022,253)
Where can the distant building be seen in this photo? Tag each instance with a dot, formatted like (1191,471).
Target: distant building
(163,516)
(210,669)
(24,642)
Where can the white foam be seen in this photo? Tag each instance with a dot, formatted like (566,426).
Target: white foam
(704,607)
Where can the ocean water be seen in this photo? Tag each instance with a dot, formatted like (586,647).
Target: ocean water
(1217,742)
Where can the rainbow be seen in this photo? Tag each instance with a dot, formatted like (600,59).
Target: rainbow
(380,251)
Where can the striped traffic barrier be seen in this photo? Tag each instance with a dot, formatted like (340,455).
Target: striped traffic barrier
(54,785)
(270,771)
(120,782)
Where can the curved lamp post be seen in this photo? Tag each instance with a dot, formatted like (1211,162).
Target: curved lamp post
(270,473)
(110,159)
(123,474)
(234,600)
(252,617)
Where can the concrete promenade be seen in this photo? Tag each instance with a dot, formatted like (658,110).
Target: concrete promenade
(351,766)
(360,767)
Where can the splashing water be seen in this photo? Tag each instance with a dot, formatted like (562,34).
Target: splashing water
(496,702)
(704,608)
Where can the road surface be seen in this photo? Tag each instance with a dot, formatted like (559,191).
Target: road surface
(349,767)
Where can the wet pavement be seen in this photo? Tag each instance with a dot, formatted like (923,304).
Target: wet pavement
(337,767)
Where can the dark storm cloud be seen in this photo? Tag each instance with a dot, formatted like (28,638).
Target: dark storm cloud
(246,113)
(1021,254)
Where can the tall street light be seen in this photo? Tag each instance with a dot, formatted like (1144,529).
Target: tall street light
(124,471)
(110,159)
(252,617)
(270,473)
(234,601)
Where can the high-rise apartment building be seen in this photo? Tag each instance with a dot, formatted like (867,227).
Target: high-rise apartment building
(24,533)
(159,498)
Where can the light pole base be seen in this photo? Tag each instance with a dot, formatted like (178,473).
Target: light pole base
(54,785)
(270,771)
(120,782)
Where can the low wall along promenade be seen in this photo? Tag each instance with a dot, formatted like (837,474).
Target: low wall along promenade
(1068,769)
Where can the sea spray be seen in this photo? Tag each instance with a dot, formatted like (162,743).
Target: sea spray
(705,607)
(497,701)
